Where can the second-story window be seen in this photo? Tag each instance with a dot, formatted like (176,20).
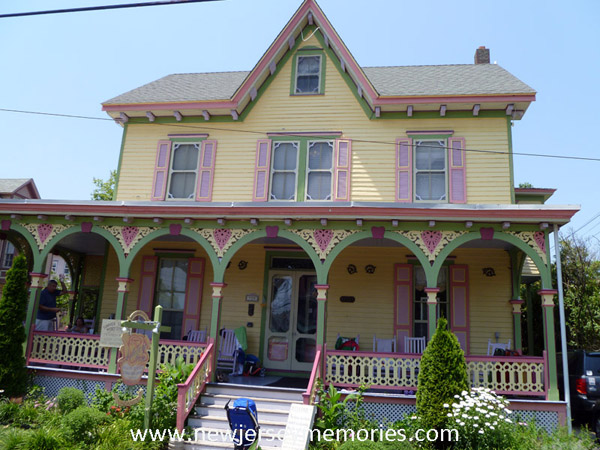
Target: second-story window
(308,74)
(284,172)
(430,170)
(320,168)
(9,254)
(183,171)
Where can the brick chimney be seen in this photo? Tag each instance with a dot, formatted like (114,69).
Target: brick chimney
(482,55)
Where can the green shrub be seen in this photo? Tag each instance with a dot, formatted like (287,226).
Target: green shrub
(358,445)
(44,439)
(13,439)
(9,411)
(69,399)
(82,425)
(13,305)
(443,374)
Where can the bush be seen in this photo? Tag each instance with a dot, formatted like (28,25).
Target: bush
(44,439)
(81,425)
(365,445)
(69,399)
(13,305)
(13,439)
(443,374)
(9,411)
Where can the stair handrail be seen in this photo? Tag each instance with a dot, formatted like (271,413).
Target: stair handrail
(189,391)
(311,390)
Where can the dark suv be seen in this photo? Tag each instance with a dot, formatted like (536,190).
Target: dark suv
(584,382)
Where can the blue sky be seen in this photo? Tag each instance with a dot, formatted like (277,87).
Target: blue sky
(70,63)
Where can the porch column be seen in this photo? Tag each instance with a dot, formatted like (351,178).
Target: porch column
(215,319)
(516,307)
(529,320)
(37,284)
(550,341)
(321,312)
(122,292)
(431,310)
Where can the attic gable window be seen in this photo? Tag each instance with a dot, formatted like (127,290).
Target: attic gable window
(308,72)
(183,171)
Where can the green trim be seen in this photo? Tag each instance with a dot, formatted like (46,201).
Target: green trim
(529,299)
(511,165)
(431,320)
(308,51)
(32,306)
(101,287)
(188,140)
(551,352)
(529,198)
(121,151)
(190,254)
(431,137)
(517,334)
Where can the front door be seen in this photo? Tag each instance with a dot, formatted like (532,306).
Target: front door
(290,337)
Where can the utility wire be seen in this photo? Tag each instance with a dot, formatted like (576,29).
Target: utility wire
(263,133)
(587,223)
(102,8)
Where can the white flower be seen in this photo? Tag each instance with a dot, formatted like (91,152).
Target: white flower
(492,428)
(463,393)
(446,405)
(449,414)
(475,425)
(480,431)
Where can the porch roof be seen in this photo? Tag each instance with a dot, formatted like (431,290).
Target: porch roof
(521,213)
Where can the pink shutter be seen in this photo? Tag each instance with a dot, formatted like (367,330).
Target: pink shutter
(147,284)
(193,295)
(261,171)
(206,171)
(404,170)
(342,167)
(457,170)
(403,302)
(459,304)
(161,170)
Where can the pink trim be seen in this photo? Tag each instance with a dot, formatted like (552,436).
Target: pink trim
(193,295)
(169,106)
(546,373)
(183,388)
(404,170)
(314,374)
(161,171)
(389,100)
(6,225)
(547,291)
(321,286)
(127,280)
(188,135)
(342,170)
(262,168)
(535,191)
(516,302)
(436,290)
(487,234)
(206,171)
(457,176)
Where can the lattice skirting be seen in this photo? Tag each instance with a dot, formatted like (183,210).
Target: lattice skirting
(384,413)
(52,385)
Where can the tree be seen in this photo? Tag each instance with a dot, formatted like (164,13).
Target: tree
(581,286)
(105,190)
(13,305)
(525,185)
(442,375)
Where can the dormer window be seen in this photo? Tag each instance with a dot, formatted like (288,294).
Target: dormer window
(184,170)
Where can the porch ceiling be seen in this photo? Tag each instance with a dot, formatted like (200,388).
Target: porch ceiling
(86,243)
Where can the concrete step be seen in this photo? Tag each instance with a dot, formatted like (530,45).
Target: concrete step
(221,423)
(275,415)
(221,400)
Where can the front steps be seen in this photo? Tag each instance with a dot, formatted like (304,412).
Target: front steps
(209,419)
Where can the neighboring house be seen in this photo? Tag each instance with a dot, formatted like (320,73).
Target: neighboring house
(13,188)
(311,198)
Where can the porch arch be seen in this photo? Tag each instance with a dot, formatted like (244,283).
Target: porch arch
(166,232)
(319,267)
(95,230)
(25,234)
(448,249)
(403,240)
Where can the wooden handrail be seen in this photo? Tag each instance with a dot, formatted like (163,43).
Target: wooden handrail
(309,395)
(189,391)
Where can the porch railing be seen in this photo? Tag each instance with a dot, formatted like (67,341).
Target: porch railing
(67,349)
(317,372)
(522,376)
(189,391)
(83,350)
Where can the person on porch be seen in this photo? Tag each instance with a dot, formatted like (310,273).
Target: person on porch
(47,309)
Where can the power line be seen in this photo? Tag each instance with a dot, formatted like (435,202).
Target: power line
(102,8)
(263,133)
(587,223)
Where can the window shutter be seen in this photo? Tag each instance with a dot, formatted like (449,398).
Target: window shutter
(403,302)
(193,295)
(404,170)
(206,171)
(457,168)
(147,284)
(342,169)
(261,171)
(459,304)
(161,170)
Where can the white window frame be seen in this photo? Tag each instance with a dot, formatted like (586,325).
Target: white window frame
(444,145)
(275,144)
(6,254)
(308,169)
(297,74)
(175,145)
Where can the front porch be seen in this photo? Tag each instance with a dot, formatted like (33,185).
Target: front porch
(295,286)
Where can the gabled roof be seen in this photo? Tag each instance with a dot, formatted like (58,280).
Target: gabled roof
(10,186)
(379,87)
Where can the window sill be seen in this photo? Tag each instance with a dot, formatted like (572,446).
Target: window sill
(307,94)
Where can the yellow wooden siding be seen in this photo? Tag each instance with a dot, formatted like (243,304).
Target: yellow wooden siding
(373,176)
(92,271)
